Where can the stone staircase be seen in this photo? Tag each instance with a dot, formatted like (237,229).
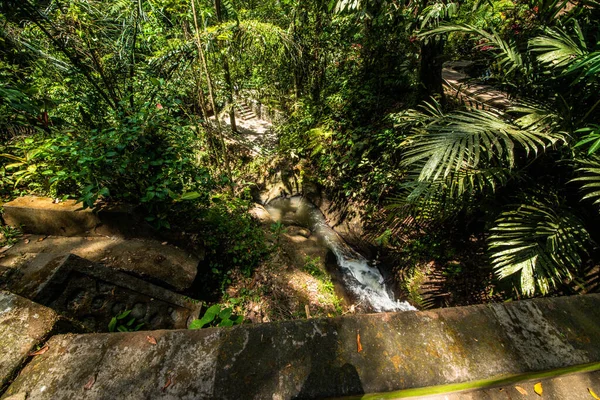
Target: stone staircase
(90,279)
(246,112)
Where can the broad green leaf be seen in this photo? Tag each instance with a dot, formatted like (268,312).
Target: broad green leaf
(112,325)
(124,314)
(190,196)
(225,313)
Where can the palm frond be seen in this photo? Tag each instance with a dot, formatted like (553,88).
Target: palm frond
(557,48)
(537,115)
(540,242)
(588,65)
(459,141)
(589,178)
(507,53)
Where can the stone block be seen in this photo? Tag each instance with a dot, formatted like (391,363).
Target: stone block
(164,265)
(320,358)
(40,215)
(23,326)
(28,274)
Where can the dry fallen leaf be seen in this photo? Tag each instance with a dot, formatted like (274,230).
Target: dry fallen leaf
(167,384)
(164,243)
(594,395)
(538,388)
(521,390)
(90,383)
(39,352)
(359,346)
(151,339)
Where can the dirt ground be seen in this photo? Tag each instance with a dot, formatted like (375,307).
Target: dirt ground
(292,283)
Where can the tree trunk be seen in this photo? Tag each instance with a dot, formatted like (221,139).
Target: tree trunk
(212,100)
(230,94)
(230,89)
(430,72)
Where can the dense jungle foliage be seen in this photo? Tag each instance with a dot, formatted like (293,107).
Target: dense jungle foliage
(111,102)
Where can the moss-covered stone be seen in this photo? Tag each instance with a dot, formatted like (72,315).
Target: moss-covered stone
(24,325)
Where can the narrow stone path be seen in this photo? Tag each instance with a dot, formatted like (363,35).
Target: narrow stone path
(254,133)
(474,94)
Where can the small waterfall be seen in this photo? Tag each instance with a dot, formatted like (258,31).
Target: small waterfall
(362,280)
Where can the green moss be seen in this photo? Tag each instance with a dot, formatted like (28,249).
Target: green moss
(479,384)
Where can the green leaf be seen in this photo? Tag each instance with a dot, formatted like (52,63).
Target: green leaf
(112,325)
(190,196)
(196,324)
(209,316)
(540,243)
(225,314)
(212,312)
(123,314)
(226,322)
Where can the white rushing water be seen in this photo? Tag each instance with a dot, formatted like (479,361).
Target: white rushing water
(362,280)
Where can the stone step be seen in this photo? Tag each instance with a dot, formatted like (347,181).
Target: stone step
(162,264)
(246,112)
(28,274)
(41,215)
(345,356)
(24,326)
(93,293)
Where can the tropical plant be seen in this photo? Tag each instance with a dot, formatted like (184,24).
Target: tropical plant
(541,243)
(459,157)
(465,152)
(121,323)
(216,315)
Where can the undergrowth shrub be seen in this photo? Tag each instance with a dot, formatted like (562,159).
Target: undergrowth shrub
(148,158)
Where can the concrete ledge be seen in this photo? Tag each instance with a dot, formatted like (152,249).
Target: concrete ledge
(320,358)
(23,325)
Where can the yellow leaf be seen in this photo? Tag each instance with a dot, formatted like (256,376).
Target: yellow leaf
(521,390)
(594,395)
(538,388)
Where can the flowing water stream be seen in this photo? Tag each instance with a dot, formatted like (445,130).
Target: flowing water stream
(361,280)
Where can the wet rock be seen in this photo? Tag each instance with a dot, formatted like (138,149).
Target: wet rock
(261,214)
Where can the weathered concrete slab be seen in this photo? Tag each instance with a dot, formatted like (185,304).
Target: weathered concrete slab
(41,215)
(320,358)
(28,274)
(93,294)
(23,325)
(164,265)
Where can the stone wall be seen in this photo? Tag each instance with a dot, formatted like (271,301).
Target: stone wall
(320,358)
